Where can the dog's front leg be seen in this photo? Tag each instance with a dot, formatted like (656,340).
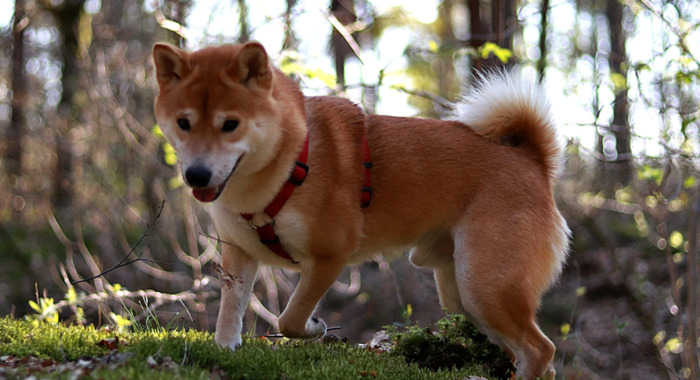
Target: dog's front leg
(237,275)
(316,278)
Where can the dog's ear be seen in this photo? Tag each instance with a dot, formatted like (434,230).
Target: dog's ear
(251,67)
(171,63)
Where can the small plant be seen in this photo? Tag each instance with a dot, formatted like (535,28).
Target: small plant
(46,311)
(456,343)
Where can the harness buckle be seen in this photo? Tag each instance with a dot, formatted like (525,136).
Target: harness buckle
(298,174)
(250,221)
(366,196)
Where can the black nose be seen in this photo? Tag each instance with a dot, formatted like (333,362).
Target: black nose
(198,176)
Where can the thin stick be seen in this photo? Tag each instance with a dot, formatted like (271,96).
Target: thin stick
(123,263)
(280,335)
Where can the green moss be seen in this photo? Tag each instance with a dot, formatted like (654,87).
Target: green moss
(20,338)
(456,344)
(177,354)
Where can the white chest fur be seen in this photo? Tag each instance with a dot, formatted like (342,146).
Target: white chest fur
(289,226)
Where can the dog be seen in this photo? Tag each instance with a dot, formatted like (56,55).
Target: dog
(314,184)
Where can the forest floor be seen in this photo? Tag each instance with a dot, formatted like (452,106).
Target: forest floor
(40,350)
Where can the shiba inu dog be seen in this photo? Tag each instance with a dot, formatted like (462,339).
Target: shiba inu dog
(314,184)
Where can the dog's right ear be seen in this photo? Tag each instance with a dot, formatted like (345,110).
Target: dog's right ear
(172,64)
(252,68)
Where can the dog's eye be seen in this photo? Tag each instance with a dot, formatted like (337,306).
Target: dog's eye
(230,125)
(184,124)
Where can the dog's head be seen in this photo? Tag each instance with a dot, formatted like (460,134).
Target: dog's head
(217,108)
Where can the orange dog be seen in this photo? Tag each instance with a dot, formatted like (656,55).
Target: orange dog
(314,184)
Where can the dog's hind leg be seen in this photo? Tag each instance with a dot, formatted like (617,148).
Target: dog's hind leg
(501,271)
(316,278)
(450,299)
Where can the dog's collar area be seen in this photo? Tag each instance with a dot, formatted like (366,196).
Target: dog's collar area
(266,233)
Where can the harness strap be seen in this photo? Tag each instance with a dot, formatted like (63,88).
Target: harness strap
(266,233)
(366,197)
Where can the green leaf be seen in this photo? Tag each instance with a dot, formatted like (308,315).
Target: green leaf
(170,154)
(565,329)
(433,46)
(619,82)
(491,48)
(71,296)
(689,182)
(649,173)
(619,324)
(157,132)
(34,306)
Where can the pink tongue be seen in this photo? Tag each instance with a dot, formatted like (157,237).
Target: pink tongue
(205,195)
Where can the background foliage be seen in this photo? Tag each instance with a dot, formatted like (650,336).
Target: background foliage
(90,184)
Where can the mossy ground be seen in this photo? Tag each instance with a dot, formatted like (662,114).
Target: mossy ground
(56,351)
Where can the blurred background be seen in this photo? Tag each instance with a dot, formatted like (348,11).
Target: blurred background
(89,184)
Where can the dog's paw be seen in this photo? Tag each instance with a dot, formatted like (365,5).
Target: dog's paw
(231,343)
(550,373)
(315,328)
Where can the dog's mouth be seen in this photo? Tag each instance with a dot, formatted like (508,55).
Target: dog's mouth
(210,194)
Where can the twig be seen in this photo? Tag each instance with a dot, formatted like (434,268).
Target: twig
(280,335)
(669,369)
(345,34)
(682,41)
(123,263)
(216,238)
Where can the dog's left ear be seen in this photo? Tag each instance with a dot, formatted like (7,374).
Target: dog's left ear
(172,64)
(251,67)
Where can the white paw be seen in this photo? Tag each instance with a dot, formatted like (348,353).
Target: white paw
(315,328)
(231,343)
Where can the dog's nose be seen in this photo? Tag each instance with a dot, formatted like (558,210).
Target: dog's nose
(198,176)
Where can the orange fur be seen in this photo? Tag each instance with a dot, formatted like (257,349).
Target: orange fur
(474,200)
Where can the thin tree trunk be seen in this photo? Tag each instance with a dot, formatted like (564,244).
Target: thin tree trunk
(67,16)
(620,126)
(344,11)
(243,28)
(13,154)
(290,41)
(479,30)
(691,347)
(494,27)
(544,23)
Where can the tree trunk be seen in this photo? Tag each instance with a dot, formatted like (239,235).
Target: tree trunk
(445,62)
(67,16)
(344,11)
(496,26)
(544,23)
(13,154)
(290,41)
(243,28)
(617,169)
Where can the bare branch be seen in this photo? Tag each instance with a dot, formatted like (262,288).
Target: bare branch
(124,261)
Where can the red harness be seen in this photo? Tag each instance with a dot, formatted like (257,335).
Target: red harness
(267,232)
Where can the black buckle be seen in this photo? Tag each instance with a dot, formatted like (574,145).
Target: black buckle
(368,164)
(368,190)
(276,240)
(297,177)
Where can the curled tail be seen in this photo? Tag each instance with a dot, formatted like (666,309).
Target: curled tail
(508,109)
